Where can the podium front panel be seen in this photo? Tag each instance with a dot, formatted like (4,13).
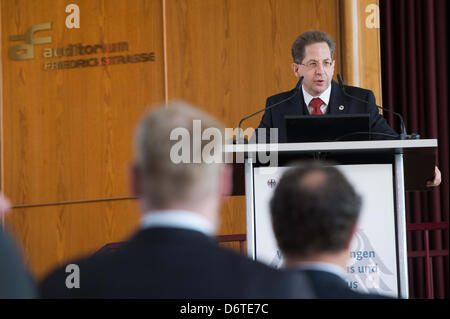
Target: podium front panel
(373,259)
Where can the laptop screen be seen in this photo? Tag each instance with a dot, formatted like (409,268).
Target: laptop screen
(327,128)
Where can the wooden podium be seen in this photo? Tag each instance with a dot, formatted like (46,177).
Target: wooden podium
(381,170)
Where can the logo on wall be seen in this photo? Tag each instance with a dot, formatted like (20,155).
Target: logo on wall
(78,55)
(25,51)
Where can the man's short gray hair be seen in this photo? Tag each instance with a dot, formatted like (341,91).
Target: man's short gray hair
(164,182)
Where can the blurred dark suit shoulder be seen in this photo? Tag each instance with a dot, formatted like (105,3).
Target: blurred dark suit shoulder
(15,280)
(174,263)
(330,286)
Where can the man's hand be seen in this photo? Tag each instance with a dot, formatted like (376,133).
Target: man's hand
(437,178)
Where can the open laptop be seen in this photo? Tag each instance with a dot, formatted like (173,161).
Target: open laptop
(327,128)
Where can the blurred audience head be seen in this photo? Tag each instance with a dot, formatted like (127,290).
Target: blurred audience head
(178,151)
(314,211)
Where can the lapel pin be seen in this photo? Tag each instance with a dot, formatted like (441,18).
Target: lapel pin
(341,107)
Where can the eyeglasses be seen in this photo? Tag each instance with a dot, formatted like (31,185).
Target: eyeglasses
(315,64)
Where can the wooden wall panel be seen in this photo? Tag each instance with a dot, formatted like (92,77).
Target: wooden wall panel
(53,235)
(228,56)
(67,134)
(361,45)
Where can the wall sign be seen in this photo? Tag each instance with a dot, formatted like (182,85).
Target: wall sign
(73,55)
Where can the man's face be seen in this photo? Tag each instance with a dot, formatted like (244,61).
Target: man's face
(317,68)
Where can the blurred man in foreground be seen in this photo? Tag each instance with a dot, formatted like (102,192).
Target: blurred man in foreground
(174,254)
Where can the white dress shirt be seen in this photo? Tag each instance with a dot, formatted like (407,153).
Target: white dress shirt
(178,219)
(325,97)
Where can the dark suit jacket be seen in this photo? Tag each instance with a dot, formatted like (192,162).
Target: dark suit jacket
(174,263)
(296,106)
(330,286)
(15,280)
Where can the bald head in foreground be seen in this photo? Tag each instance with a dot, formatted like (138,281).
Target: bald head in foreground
(314,212)
(174,253)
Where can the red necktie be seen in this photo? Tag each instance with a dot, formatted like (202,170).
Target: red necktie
(316,103)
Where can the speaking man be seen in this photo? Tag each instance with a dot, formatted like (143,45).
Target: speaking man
(313,55)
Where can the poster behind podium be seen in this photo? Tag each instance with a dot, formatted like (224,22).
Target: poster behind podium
(372,262)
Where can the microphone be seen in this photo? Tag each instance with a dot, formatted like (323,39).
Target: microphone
(297,89)
(403,135)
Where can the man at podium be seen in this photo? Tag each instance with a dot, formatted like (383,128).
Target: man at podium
(313,55)
(317,94)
